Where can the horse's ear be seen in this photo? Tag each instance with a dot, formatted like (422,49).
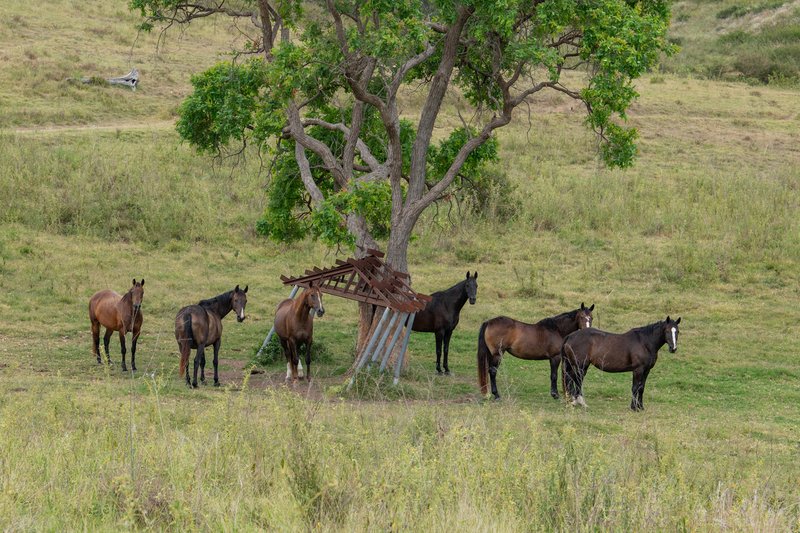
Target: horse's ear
(134,281)
(678,321)
(668,319)
(475,275)
(236,289)
(245,288)
(591,308)
(142,282)
(467,274)
(583,307)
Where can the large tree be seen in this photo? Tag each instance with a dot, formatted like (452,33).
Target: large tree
(318,84)
(323,78)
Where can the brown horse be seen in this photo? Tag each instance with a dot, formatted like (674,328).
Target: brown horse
(635,351)
(294,325)
(117,313)
(538,341)
(200,325)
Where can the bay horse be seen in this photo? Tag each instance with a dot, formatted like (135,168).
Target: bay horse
(200,325)
(117,313)
(440,316)
(634,351)
(538,341)
(294,325)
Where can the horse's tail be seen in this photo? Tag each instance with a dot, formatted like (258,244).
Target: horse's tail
(483,360)
(185,343)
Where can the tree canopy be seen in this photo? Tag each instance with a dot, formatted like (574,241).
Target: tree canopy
(318,84)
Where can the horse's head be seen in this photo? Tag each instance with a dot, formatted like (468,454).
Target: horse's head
(671,333)
(584,316)
(313,299)
(239,301)
(137,294)
(471,286)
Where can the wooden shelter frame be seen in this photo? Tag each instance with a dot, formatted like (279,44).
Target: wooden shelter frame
(372,281)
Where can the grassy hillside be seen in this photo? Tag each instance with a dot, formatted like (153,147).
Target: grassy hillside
(97,189)
(754,40)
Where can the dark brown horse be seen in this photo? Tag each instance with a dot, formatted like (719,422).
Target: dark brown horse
(294,325)
(441,315)
(635,351)
(200,325)
(538,341)
(117,313)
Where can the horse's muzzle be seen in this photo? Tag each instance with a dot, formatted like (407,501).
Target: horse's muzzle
(472,301)
(240,318)
(320,312)
(673,350)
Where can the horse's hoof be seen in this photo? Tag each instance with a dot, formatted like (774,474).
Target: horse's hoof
(216,384)
(496,397)
(124,369)
(194,385)
(133,368)
(579,401)
(555,395)
(438,371)
(446,372)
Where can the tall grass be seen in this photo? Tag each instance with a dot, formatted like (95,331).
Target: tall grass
(135,186)
(273,461)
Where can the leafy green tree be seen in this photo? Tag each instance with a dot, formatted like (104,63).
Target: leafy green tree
(323,79)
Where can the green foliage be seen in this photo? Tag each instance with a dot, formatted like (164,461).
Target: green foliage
(221,107)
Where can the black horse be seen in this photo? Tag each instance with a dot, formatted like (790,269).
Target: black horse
(634,351)
(440,316)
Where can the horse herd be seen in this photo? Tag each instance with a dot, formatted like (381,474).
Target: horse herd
(568,337)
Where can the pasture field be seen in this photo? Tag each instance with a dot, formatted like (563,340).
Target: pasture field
(96,189)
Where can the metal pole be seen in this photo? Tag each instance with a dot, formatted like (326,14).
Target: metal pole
(389,348)
(272,330)
(365,354)
(382,342)
(399,363)
(375,335)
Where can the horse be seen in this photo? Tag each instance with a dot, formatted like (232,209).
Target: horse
(634,351)
(538,341)
(117,313)
(294,325)
(200,325)
(440,316)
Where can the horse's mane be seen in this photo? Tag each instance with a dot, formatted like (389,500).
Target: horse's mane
(449,289)
(553,321)
(223,298)
(650,328)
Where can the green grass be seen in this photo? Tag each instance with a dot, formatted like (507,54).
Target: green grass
(753,40)
(704,226)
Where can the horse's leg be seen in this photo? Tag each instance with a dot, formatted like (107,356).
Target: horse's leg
(446,347)
(186,346)
(294,359)
(554,362)
(493,365)
(578,373)
(641,388)
(308,360)
(106,340)
(203,368)
(216,362)
(133,348)
(288,356)
(199,355)
(96,341)
(439,338)
(123,349)
(637,389)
